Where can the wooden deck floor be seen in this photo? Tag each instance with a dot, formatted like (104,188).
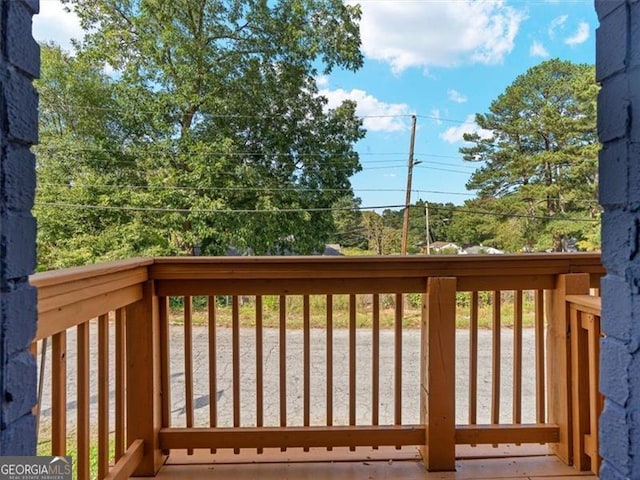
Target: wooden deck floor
(505,463)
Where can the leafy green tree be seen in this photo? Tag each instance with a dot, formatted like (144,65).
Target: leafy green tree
(541,157)
(210,131)
(349,228)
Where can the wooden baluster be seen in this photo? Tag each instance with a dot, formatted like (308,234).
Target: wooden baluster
(541,414)
(438,355)
(306,362)
(473,359)
(59,394)
(103,395)
(596,399)
(329,314)
(283,363)
(235,341)
(259,367)
(517,358)
(188,363)
(495,358)
(120,394)
(213,375)
(375,363)
(165,362)
(352,362)
(83,395)
(397,389)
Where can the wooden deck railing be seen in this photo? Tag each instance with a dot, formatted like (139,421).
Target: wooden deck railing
(73,306)
(364,385)
(587,402)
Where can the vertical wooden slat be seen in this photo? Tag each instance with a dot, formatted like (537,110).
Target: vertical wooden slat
(59,394)
(596,400)
(438,373)
(306,361)
(83,396)
(259,367)
(352,361)
(517,357)
(559,359)
(213,375)
(103,395)
(329,360)
(165,360)
(120,398)
(541,414)
(495,358)
(375,362)
(235,340)
(283,362)
(188,363)
(579,388)
(329,350)
(397,389)
(473,359)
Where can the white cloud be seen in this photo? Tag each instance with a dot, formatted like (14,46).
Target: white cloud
(456,96)
(322,80)
(435,116)
(557,23)
(379,116)
(455,134)
(55,24)
(581,35)
(442,33)
(537,49)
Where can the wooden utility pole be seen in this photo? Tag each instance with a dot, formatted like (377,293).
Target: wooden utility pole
(407,201)
(426,220)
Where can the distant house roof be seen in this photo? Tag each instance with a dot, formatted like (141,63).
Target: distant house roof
(443,245)
(480,250)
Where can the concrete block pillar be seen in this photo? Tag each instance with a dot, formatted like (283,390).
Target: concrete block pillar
(19,65)
(618,71)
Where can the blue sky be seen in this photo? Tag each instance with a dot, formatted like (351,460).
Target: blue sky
(442,60)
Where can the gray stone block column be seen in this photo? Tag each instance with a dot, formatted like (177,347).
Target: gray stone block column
(618,71)
(19,65)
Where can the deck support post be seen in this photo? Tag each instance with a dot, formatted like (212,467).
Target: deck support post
(559,359)
(437,389)
(144,412)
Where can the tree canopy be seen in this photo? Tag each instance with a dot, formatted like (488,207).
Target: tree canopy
(194,125)
(540,154)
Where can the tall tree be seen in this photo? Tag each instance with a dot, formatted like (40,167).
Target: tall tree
(215,107)
(541,156)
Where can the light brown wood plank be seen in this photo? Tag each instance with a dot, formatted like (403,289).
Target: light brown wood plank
(277,437)
(213,366)
(473,358)
(235,349)
(558,356)
(375,362)
(438,352)
(83,439)
(541,414)
(61,319)
(283,360)
(496,356)
(59,394)
(306,361)
(188,361)
(103,395)
(128,463)
(352,360)
(120,392)
(397,360)
(517,358)
(144,414)
(506,433)
(329,349)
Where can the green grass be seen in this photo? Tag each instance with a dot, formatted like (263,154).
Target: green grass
(364,311)
(44,449)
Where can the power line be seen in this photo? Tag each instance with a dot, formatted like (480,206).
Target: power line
(306,210)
